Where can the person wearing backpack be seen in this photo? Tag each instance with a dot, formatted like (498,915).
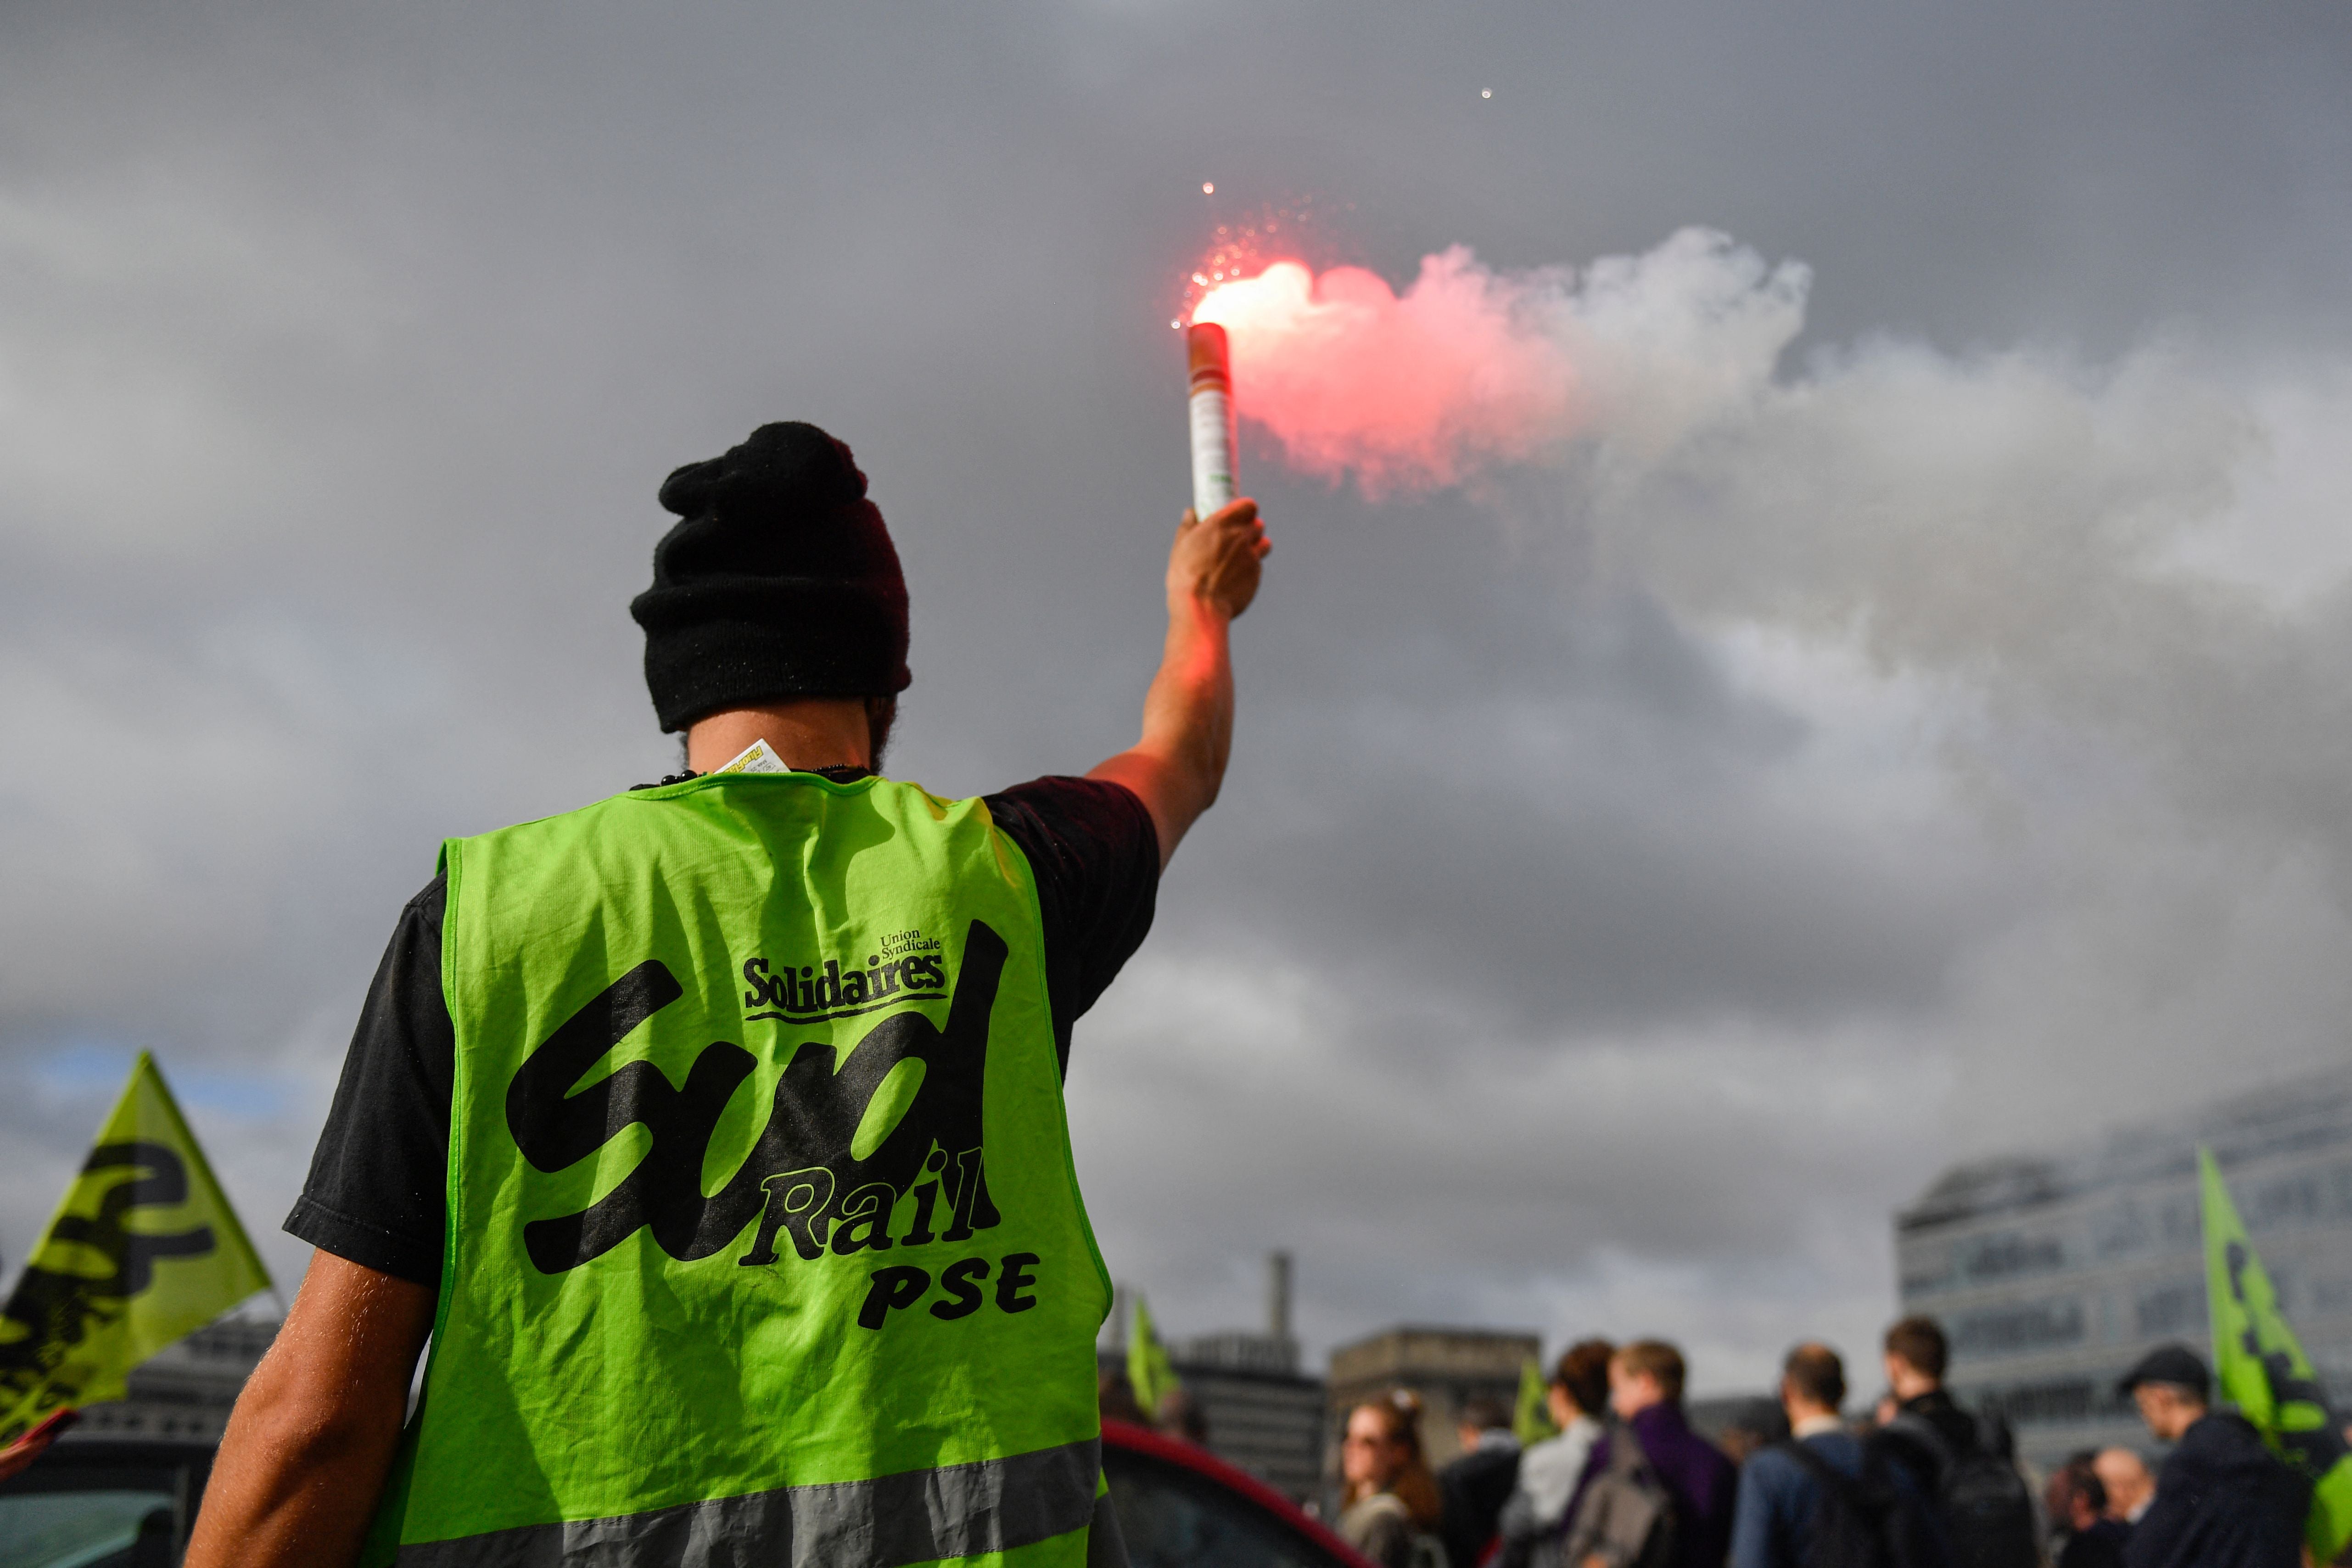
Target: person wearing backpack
(1664,1494)
(1554,1473)
(1982,1502)
(1826,1498)
(1626,1516)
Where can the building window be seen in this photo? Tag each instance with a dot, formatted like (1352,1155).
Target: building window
(2009,1254)
(2171,1309)
(2069,1400)
(2339,1182)
(2288,1198)
(2005,1331)
(2120,1230)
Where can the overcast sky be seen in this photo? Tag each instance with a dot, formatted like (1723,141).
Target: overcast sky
(1638,872)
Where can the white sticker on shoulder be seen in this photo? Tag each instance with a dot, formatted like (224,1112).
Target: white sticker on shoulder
(755,758)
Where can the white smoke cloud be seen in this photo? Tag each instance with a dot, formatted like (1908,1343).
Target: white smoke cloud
(2066,539)
(2017,521)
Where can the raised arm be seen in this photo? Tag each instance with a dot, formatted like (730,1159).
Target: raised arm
(312,1439)
(1188,714)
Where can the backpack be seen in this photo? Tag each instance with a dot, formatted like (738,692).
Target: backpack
(1986,1508)
(1626,1516)
(1426,1551)
(1862,1522)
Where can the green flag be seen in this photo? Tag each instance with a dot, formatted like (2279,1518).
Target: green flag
(1532,1422)
(2265,1374)
(143,1249)
(1149,1370)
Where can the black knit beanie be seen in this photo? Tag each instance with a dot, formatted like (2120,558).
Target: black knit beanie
(780,581)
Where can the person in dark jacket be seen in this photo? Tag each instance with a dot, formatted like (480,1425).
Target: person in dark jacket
(1782,1490)
(1752,1427)
(1645,1389)
(1916,1351)
(2222,1501)
(1983,1505)
(2077,1503)
(1472,1490)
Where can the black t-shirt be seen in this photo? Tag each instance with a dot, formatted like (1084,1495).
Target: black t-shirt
(377,1192)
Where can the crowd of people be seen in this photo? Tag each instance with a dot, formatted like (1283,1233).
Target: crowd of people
(1920,1482)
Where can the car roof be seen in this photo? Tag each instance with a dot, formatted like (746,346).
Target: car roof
(1201,1462)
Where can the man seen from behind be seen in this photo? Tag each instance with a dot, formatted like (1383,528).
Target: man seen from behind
(1826,1494)
(1554,1473)
(1473,1488)
(1982,1505)
(714,1131)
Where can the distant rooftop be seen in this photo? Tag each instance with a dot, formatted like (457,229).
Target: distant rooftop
(1412,1351)
(2303,1114)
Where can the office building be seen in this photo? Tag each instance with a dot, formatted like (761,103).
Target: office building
(2053,1275)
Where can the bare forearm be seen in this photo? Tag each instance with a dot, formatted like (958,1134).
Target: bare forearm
(1179,762)
(1188,714)
(312,1437)
(297,1481)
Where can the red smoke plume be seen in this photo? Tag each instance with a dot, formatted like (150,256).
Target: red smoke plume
(1407,392)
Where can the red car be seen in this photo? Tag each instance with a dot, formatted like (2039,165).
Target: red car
(1182,1506)
(118,1504)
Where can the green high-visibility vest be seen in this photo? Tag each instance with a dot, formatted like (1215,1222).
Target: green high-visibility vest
(764,1244)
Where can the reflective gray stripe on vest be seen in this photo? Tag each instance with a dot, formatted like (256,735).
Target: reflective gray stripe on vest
(957,1510)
